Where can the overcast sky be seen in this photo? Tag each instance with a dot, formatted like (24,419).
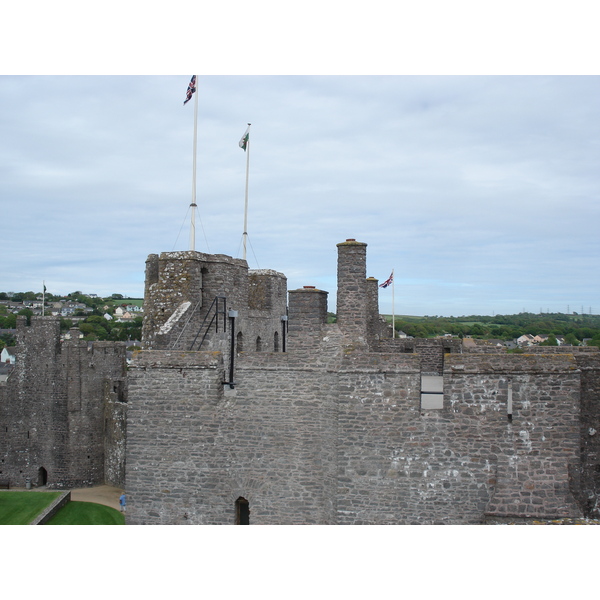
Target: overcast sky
(480,192)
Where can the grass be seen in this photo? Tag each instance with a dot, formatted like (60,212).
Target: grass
(87,513)
(20,508)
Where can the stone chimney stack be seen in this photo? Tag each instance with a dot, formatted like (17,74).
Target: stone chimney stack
(352,289)
(373,326)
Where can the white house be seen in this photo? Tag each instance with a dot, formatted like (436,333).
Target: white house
(7,356)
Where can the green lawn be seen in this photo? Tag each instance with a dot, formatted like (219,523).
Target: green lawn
(20,508)
(87,513)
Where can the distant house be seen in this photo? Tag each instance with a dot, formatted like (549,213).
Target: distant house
(32,303)
(496,343)
(7,356)
(526,340)
(72,334)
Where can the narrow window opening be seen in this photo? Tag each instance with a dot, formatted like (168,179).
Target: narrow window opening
(240,342)
(258,344)
(276,342)
(242,511)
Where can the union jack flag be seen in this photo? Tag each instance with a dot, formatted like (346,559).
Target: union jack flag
(388,281)
(191,89)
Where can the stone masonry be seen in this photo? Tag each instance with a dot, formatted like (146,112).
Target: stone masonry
(350,427)
(63,410)
(246,406)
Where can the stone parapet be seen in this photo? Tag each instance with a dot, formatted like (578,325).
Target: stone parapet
(307,317)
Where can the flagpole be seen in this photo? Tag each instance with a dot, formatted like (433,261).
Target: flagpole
(246,196)
(43,299)
(193,204)
(393,310)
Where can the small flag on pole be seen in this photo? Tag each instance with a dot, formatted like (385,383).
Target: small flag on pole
(190,90)
(388,281)
(245,138)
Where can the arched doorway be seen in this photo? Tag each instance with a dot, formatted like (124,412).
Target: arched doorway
(242,511)
(42,477)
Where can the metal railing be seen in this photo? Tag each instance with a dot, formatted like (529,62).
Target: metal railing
(217,307)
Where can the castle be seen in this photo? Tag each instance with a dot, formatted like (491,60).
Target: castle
(245,406)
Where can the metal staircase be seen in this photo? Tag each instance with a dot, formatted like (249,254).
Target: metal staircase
(217,308)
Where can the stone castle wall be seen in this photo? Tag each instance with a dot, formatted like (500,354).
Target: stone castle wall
(52,415)
(343,438)
(192,456)
(350,427)
(589,482)
(346,426)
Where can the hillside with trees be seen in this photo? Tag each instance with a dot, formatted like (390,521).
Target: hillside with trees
(575,328)
(90,316)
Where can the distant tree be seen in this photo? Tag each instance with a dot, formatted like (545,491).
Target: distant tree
(595,341)
(28,313)
(8,321)
(87,328)
(6,340)
(551,341)
(65,324)
(571,339)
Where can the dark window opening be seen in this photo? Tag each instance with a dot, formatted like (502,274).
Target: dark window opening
(240,342)
(242,511)
(258,344)
(276,342)
(119,390)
